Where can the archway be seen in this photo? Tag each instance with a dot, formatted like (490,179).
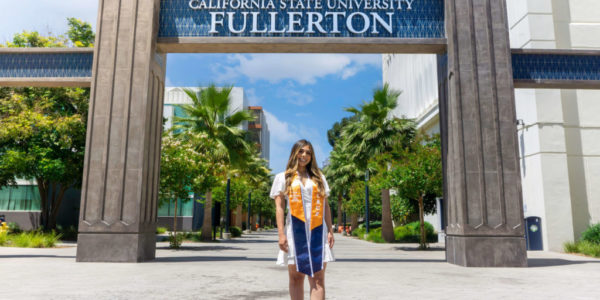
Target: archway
(482,180)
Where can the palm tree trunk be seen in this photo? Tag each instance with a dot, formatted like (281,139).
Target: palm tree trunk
(354,222)
(387,229)
(238,216)
(339,211)
(206,233)
(422,220)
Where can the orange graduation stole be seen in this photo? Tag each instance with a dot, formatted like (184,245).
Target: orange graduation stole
(309,244)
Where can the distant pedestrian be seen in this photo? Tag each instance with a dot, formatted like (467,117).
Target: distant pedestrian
(306,240)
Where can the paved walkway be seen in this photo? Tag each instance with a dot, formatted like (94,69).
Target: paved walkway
(245,269)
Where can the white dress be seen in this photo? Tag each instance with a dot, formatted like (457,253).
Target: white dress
(278,187)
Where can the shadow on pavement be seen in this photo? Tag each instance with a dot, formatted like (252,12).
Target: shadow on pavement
(248,241)
(553,262)
(416,248)
(210,258)
(202,248)
(389,260)
(35,256)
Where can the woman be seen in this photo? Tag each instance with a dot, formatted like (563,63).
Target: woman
(306,240)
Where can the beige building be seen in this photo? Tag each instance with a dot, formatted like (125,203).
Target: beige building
(559,134)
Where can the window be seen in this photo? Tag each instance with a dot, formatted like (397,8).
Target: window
(20,197)
(183,209)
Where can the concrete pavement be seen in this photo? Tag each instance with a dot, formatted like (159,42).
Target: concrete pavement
(244,268)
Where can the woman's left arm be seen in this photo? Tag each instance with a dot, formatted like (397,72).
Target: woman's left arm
(330,238)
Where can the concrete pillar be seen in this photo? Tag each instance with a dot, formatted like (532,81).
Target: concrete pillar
(120,182)
(483,184)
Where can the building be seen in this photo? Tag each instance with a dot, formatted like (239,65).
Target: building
(559,131)
(259,131)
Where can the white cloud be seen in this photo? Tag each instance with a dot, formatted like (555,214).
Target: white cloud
(43,15)
(302,68)
(253,99)
(280,131)
(296,97)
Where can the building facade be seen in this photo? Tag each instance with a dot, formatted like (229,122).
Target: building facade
(259,131)
(559,130)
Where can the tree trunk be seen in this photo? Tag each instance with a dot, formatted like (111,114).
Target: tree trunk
(43,202)
(354,222)
(206,233)
(238,216)
(174,232)
(387,229)
(422,220)
(175,217)
(54,209)
(339,211)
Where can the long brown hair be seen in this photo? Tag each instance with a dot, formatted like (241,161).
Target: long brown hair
(312,168)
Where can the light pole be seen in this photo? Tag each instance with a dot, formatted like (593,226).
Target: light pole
(227,235)
(367,201)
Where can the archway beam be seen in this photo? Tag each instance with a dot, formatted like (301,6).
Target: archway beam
(46,67)
(72,67)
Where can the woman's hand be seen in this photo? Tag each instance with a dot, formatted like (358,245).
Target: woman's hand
(330,239)
(283,243)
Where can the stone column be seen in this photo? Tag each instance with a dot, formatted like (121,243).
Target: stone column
(120,181)
(483,184)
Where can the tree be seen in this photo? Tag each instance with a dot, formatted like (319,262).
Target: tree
(209,113)
(184,167)
(340,173)
(80,33)
(376,133)
(42,136)
(419,175)
(42,130)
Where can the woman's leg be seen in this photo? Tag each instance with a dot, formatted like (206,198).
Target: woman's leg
(317,285)
(296,283)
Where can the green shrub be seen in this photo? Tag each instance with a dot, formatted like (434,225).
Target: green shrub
(583,247)
(411,233)
(13,227)
(175,240)
(235,231)
(359,232)
(3,238)
(161,230)
(592,234)
(69,233)
(405,235)
(372,225)
(375,236)
(34,239)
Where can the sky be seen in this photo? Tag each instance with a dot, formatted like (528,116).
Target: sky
(302,95)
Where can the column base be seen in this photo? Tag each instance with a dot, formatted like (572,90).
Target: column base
(486,251)
(116,247)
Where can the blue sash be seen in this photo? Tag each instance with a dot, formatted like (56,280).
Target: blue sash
(309,245)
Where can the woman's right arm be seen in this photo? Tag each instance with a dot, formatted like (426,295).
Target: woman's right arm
(279,214)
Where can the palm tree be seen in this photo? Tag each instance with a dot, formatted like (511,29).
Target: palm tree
(340,172)
(209,113)
(375,133)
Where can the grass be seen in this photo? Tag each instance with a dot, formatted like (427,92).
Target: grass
(409,233)
(161,230)
(583,247)
(31,239)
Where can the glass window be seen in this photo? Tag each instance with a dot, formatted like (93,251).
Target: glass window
(183,209)
(20,197)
